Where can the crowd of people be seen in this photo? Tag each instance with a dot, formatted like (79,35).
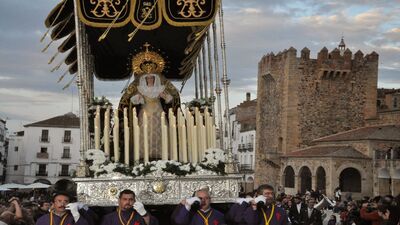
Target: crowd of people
(262,207)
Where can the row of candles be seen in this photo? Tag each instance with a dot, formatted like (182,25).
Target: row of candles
(184,138)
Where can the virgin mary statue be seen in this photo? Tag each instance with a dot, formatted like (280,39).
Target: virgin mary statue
(152,94)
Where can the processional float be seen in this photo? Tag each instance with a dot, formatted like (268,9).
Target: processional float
(148,143)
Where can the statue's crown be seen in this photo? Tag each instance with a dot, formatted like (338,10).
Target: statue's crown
(147,61)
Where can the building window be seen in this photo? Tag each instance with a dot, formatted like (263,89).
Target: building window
(395,105)
(64,170)
(15,167)
(42,170)
(67,136)
(66,153)
(16,149)
(45,136)
(43,150)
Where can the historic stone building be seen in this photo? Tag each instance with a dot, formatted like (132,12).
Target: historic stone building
(301,101)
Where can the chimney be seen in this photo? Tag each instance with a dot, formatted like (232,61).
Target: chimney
(248,96)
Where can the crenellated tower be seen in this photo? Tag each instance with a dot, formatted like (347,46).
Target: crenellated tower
(301,99)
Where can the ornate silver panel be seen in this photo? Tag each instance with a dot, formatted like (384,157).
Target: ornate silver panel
(156,190)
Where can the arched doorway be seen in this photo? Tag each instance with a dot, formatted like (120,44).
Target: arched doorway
(305,179)
(288,175)
(321,179)
(350,180)
(43,181)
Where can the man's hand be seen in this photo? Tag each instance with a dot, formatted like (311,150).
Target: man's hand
(189,202)
(139,207)
(74,209)
(384,215)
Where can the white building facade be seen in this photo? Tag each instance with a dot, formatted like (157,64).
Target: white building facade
(45,151)
(242,124)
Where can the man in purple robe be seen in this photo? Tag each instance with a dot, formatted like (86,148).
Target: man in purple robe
(63,212)
(187,213)
(129,212)
(262,209)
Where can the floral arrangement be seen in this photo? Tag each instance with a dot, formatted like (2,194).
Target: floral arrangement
(101,101)
(199,103)
(212,163)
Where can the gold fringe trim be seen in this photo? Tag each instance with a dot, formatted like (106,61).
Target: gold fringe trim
(131,35)
(51,25)
(104,35)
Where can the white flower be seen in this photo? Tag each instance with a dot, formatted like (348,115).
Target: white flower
(185,167)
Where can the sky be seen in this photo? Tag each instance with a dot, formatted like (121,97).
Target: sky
(29,92)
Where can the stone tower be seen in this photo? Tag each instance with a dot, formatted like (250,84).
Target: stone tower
(301,99)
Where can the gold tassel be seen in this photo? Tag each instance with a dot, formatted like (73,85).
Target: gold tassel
(69,83)
(59,32)
(104,35)
(57,67)
(52,58)
(62,76)
(131,35)
(51,25)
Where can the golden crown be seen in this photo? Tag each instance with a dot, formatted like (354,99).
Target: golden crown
(147,62)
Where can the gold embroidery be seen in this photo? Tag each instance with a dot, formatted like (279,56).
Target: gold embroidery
(191,8)
(107,8)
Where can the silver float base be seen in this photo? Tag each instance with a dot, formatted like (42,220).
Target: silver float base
(156,191)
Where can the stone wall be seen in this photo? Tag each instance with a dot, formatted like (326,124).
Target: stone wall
(386,117)
(300,99)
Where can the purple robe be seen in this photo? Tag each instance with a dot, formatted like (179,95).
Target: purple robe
(113,218)
(235,215)
(45,220)
(256,217)
(182,216)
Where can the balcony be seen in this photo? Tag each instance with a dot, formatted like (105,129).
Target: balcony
(66,156)
(245,168)
(44,139)
(245,147)
(63,174)
(42,155)
(66,139)
(41,174)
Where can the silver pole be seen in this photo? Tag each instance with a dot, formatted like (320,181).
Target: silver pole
(200,75)
(203,53)
(196,75)
(83,83)
(210,72)
(218,89)
(231,168)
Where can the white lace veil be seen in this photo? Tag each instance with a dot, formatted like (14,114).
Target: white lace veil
(151,92)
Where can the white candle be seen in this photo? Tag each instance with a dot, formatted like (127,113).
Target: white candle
(136,131)
(116,136)
(184,149)
(97,128)
(174,144)
(208,128)
(145,139)
(107,132)
(189,133)
(180,131)
(194,145)
(164,147)
(126,137)
(203,141)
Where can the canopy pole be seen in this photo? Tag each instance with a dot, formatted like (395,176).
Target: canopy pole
(199,65)
(218,89)
(210,73)
(196,85)
(84,92)
(203,53)
(231,166)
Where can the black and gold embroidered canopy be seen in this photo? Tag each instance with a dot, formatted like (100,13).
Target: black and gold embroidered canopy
(174,28)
